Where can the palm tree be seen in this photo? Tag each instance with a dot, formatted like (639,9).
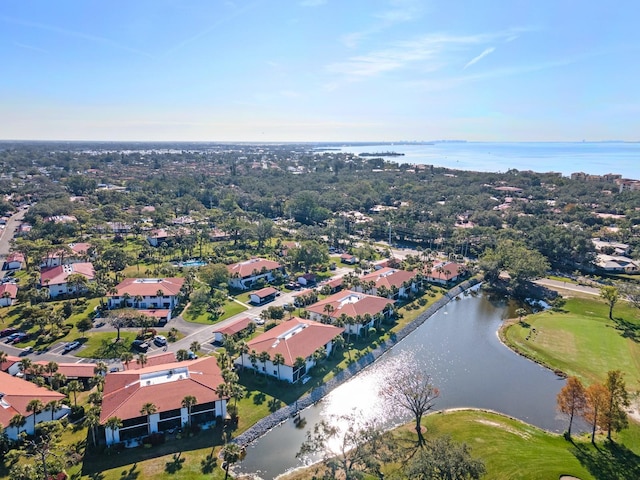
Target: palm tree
(50,368)
(36,406)
(195,346)
(78,283)
(58,379)
(92,421)
(278,359)
(113,423)
(223,390)
(3,356)
(101,368)
(25,364)
(299,364)
(74,386)
(17,421)
(188,402)
(98,382)
(223,361)
(125,299)
(182,355)
(52,406)
(243,348)
(148,409)
(231,453)
(264,357)
(138,299)
(142,360)
(126,358)
(253,357)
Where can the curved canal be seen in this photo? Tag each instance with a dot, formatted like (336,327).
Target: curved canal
(460,349)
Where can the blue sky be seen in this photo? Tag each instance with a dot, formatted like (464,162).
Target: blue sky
(319,70)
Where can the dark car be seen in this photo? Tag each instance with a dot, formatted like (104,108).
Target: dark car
(8,331)
(140,345)
(18,337)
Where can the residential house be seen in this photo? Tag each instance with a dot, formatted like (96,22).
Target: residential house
(348,259)
(8,294)
(445,272)
(244,274)
(15,395)
(11,365)
(82,372)
(232,329)
(307,280)
(158,236)
(55,279)
(263,295)
(76,253)
(395,281)
(14,261)
(296,338)
(156,295)
(362,308)
(164,386)
(614,248)
(617,264)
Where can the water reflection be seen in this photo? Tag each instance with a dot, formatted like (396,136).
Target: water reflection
(459,348)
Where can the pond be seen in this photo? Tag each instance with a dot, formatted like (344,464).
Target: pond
(460,349)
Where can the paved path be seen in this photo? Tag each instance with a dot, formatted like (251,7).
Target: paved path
(557,284)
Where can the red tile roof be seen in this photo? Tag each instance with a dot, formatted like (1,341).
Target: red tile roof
(154,361)
(147,287)
(234,327)
(73,370)
(351,304)
(294,338)
(155,312)
(164,385)
(16,395)
(58,275)
(246,268)
(4,366)
(265,292)
(11,288)
(389,277)
(450,270)
(15,257)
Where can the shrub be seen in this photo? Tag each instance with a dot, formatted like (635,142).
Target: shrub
(77,412)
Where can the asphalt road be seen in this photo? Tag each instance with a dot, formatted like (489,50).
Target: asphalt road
(6,234)
(557,284)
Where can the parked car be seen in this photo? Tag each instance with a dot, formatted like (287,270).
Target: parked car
(160,340)
(70,346)
(19,337)
(140,345)
(11,337)
(259,321)
(8,331)
(26,351)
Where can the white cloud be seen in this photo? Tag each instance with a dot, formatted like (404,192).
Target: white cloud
(401,11)
(474,60)
(406,53)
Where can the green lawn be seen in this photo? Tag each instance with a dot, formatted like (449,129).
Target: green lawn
(582,341)
(230,309)
(102,345)
(514,450)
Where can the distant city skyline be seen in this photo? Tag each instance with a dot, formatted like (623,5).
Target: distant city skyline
(319,70)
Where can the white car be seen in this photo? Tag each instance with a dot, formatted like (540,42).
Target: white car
(160,340)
